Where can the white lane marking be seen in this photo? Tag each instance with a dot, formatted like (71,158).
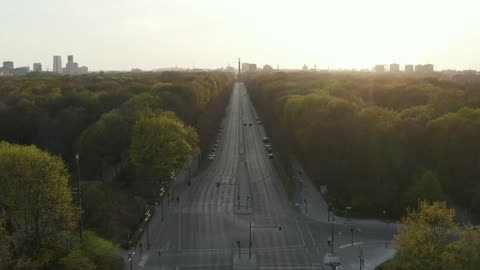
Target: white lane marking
(166,246)
(143,260)
(300,232)
(311,235)
(179,227)
(349,245)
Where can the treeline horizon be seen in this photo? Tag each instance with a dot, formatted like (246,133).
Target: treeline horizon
(379,142)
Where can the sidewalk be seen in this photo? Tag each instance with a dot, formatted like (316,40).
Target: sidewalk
(179,188)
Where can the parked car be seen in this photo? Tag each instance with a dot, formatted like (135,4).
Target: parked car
(259,122)
(271,156)
(265,139)
(244,123)
(250,124)
(211,156)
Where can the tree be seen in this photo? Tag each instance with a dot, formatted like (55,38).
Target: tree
(93,253)
(76,260)
(463,254)
(427,187)
(161,144)
(104,143)
(35,195)
(424,237)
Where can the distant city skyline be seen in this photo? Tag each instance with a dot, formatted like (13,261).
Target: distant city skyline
(150,34)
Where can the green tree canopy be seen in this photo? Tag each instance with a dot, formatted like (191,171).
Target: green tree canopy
(35,195)
(463,254)
(427,187)
(424,236)
(162,143)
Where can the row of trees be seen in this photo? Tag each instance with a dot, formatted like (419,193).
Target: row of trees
(378,142)
(131,132)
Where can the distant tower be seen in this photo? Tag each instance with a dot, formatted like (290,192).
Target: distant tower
(37,67)
(57,64)
(239,67)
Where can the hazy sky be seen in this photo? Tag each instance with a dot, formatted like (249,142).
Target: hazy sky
(120,34)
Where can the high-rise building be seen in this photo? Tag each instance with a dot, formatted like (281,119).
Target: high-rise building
(7,67)
(409,68)
(394,68)
(267,68)
(57,64)
(246,67)
(37,67)
(72,68)
(379,68)
(428,68)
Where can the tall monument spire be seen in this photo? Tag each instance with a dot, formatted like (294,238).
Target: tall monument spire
(239,67)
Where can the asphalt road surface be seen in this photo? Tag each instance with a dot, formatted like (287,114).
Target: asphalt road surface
(240,186)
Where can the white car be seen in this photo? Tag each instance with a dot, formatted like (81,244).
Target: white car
(211,156)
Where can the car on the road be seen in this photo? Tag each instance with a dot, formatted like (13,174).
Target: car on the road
(211,156)
(269,149)
(265,139)
(271,156)
(259,122)
(244,123)
(339,267)
(250,124)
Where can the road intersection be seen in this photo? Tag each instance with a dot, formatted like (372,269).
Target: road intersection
(212,219)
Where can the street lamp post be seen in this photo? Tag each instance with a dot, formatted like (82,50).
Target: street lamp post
(147,217)
(351,230)
(386,228)
(238,244)
(360,258)
(305,201)
(329,210)
(250,242)
(333,235)
(79,194)
(347,212)
(131,252)
(162,208)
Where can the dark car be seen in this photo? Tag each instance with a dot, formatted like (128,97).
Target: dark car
(271,156)
(250,124)
(265,139)
(244,123)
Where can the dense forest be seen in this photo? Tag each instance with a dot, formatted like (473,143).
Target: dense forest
(130,131)
(378,141)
